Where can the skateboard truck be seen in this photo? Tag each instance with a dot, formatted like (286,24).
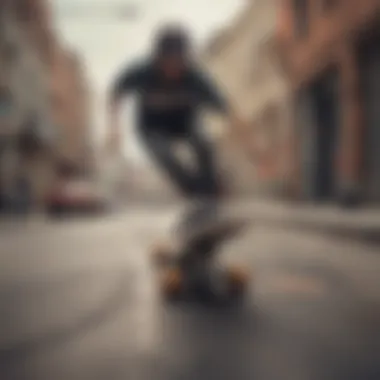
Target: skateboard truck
(190,268)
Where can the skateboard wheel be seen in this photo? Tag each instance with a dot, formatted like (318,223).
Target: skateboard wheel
(172,283)
(237,278)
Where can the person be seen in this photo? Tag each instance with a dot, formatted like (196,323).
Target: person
(172,90)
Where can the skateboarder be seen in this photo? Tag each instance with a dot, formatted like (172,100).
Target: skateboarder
(171,91)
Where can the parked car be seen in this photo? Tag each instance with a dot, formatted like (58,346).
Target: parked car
(74,196)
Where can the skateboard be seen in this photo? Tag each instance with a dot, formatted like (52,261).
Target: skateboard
(188,268)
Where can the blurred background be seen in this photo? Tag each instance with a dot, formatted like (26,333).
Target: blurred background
(305,74)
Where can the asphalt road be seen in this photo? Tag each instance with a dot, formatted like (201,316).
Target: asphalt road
(78,301)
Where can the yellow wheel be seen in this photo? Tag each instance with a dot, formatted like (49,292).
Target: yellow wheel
(237,278)
(172,282)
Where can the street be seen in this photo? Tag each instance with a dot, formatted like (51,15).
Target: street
(78,301)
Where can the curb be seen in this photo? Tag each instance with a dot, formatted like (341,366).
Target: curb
(367,235)
(364,234)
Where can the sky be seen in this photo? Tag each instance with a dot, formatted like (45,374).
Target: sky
(106,42)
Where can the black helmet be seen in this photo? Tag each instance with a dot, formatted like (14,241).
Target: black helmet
(172,39)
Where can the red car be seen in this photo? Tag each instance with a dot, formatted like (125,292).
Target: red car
(74,196)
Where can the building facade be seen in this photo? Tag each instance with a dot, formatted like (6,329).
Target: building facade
(26,119)
(71,109)
(31,126)
(331,53)
(243,59)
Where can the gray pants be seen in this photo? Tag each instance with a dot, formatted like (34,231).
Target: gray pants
(203,181)
(201,185)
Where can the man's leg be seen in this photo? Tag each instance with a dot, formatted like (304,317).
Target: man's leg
(207,177)
(161,148)
(207,184)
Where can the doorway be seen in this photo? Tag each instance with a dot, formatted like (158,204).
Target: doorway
(368,55)
(319,116)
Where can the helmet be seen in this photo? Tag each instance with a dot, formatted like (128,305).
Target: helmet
(172,39)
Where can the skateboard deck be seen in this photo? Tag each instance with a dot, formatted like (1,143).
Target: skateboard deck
(187,265)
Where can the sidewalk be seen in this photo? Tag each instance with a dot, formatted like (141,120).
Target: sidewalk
(362,224)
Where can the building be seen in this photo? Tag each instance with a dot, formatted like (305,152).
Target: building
(243,59)
(34,134)
(331,53)
(71,109)
(26,121)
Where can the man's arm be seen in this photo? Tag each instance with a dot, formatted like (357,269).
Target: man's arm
(213,97)
(209,93)
(126,82)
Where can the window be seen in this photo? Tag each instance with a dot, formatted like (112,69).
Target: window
(329,4)
(6,102)
(10,53)
(29,141)
(56,101)
(301,17)
(24,10)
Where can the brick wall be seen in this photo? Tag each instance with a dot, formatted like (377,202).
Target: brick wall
(329,40)
(70,104)
(327,35)
(23,70)
(69,93)
(41,75)
(244,62)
